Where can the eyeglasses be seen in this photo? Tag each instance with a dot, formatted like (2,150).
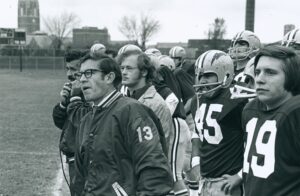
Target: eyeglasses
(87,73)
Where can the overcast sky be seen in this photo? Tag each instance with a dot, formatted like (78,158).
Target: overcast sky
(180,19)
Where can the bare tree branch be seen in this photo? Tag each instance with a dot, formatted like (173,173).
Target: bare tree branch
(217,29)
(139,30)
(61,26)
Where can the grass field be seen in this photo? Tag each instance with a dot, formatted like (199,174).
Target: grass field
(29,141)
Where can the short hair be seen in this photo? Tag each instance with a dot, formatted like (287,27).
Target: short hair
(72,55)
(291,66)
(106,64)
(143,63)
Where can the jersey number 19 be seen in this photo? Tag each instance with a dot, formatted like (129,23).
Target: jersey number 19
(263,147)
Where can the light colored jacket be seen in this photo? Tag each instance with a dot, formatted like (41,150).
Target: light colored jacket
(152,99)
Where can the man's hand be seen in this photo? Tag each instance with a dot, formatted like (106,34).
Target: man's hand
(65,92)
(76,88)
(194,173)
(230,182)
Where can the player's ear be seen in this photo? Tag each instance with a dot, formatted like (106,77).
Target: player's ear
(144,73)
(110,77)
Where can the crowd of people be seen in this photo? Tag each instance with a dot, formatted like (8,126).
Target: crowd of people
(143,123)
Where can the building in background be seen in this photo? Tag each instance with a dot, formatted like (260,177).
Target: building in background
(87,36)
(29,15)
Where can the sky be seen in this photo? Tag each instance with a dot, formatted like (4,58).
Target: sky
(180,19)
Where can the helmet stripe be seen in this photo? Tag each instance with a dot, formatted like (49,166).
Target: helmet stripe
(291,35)
(203,59)
(237,36)
(285,41)
(296,30)
(240,34)
(174,51)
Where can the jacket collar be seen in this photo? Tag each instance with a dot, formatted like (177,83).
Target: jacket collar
(149,93)
(109,99)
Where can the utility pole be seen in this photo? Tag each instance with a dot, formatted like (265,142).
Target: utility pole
(20,54)
(250,15)
(19,37)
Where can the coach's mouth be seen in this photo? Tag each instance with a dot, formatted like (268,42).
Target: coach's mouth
(84,88)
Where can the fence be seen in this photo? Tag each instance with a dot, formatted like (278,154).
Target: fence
(14,50)
(32,62)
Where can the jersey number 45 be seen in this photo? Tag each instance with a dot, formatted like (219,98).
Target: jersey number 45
(204,115)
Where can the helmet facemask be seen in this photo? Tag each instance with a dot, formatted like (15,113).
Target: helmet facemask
(213,62)
(249,46)
(210,90)
(241,53)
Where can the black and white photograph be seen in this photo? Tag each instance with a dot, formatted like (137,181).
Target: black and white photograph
(149,98)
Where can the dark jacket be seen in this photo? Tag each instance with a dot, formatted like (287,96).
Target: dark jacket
(67,138)
(120,150)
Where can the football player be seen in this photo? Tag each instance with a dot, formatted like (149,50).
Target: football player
(129,48)
(292,40)
(272,123)
(97,49)
(244,46)
(178,54)
(153,51)
(178,147)
(165,60)
(217,144)
(185,79)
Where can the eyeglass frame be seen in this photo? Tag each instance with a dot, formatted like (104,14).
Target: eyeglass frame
(87,73)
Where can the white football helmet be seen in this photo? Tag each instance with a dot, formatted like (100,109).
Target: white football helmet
(97,49)
(245,87)
(177,52)
(240,53)
(217,62)
(292,39)
(165,60)
(154,60)
(153,51)
(129,48)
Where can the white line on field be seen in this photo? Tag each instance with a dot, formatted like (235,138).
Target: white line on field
(58,189)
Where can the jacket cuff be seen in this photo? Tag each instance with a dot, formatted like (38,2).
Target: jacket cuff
(62,106)
(75,98)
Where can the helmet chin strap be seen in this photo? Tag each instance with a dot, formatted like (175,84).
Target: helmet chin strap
(217,84)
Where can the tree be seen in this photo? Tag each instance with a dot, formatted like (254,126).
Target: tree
(60,27)
(217,30)
(139,30)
